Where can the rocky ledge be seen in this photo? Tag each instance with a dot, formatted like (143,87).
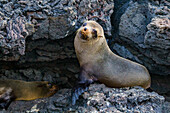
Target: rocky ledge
(98,98)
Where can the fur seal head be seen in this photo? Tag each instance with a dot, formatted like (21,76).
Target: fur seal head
(45,89)
(89,42)
(90,30)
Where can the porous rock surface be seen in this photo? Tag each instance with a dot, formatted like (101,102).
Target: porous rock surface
(14,41)
(47,19)
(98,98)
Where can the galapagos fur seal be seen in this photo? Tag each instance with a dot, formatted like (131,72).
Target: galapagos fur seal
(11,90)
(99,63)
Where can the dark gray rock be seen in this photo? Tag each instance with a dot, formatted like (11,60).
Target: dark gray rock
(166,107)
(157,39)
(142,34)
(54,28)
(3,24)
(98,98)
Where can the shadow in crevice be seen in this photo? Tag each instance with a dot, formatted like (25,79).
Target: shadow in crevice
(161,85)
(115,17)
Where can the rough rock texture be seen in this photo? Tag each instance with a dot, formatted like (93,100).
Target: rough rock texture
(46,19)
(142,33)
(166,107)
(14,42)
(98,98)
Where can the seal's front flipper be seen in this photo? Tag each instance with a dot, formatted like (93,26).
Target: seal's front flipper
(6,97)
(4,103)
(78,90)
(84,81)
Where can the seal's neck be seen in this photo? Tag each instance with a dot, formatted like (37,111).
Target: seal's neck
(90,51)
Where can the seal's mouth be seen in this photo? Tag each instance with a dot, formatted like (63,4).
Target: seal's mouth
(83,35)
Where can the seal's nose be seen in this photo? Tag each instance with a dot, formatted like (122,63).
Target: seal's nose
(85,29)
(84,33)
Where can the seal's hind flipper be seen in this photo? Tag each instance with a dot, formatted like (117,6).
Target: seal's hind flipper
(6,97)
(84,81)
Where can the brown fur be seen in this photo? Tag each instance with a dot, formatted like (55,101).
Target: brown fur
(27,90)
(96,58)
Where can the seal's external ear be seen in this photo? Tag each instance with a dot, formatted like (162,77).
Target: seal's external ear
(94,33)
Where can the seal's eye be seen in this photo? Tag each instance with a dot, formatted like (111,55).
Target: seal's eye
(94,32)
(50,85)
(84,24)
